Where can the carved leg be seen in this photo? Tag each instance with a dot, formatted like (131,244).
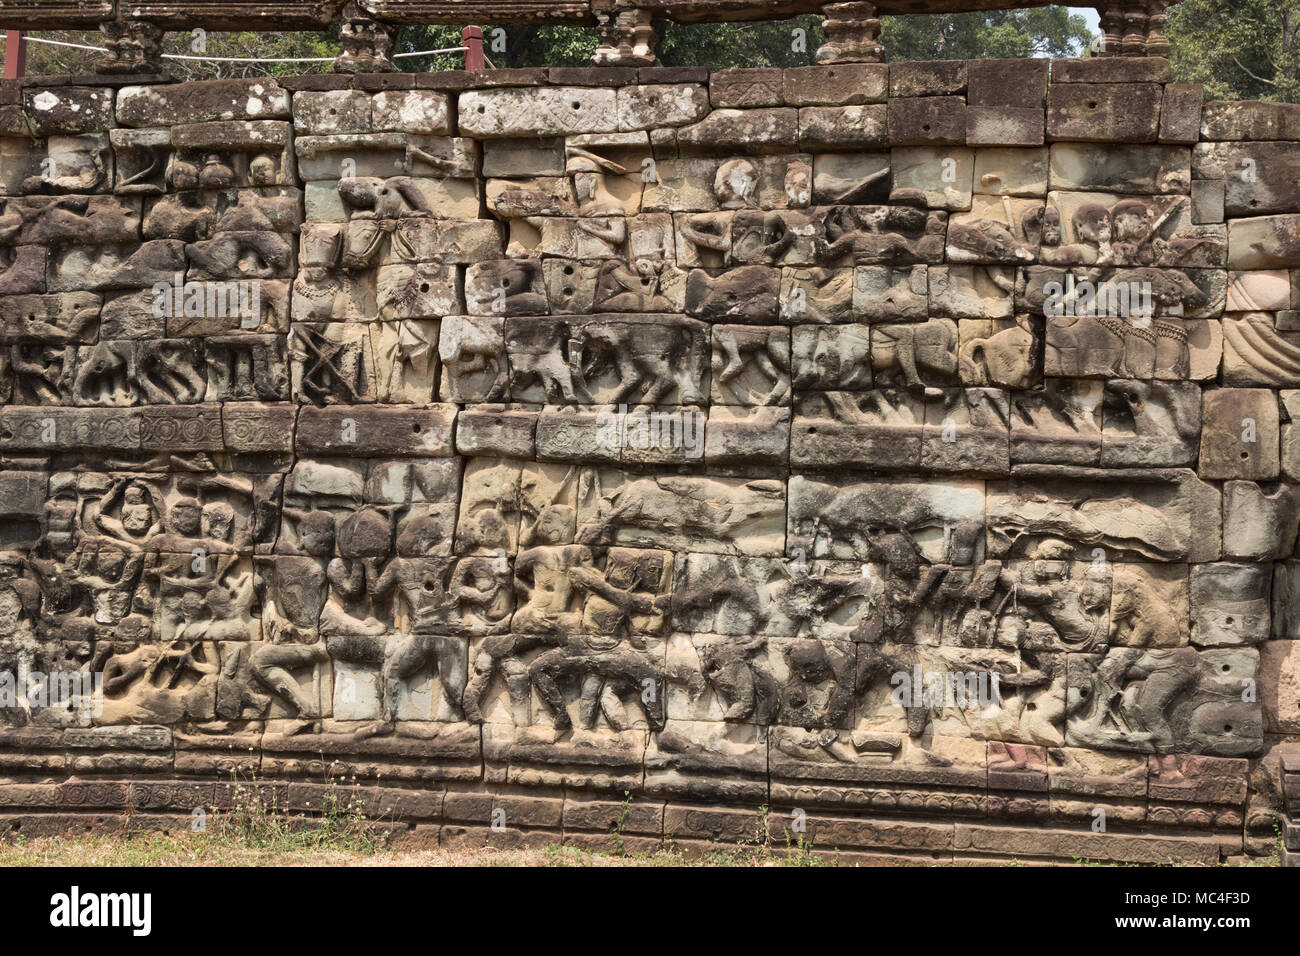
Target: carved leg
(627,36)
(590,700)
(851,30)
(480,678)
(544,673)
(447,654)
(520,690)
(404,657)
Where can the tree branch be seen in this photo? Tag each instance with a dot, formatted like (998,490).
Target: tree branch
(1258,79)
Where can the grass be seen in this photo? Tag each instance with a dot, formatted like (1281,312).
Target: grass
(253,831)
(210,849)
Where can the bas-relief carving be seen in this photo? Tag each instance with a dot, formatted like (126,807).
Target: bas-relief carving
(909,462)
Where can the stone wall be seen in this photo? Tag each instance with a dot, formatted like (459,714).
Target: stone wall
(523,440)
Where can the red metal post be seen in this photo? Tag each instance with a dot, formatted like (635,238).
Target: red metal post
(472,38)
(16,54)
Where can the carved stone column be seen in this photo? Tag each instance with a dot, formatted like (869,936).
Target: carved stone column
(851,30)
(1134,27)
(134,46)
(1135,31)
(1112,29)
(627,36)
(366,43)
(1157,42)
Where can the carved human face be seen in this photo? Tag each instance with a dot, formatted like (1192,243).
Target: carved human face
(220,602)
(555,525)
(1051,226)
(1132,220)
(419,536)
(584,187)
(185,518)
(137,512)
(735,184)
(218,519)
(798,184)
(1011,630)
(1092,224)
(133,628)
(184,176)
(316,534)
(1049,570)
(261,171)
(192,606)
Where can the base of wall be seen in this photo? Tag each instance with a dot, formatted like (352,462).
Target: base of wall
(419,793)
(591,823)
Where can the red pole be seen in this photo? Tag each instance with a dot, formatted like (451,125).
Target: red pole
(16,54)
(472,38)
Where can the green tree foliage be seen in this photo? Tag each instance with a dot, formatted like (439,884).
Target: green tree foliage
(44,60)
(721,46)
(1045,31)
(1049,31)
(1240,49)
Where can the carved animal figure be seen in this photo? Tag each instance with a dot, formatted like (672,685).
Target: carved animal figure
(906,350)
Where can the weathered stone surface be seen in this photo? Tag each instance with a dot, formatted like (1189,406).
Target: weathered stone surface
(1259,520)
(1004,126)
(745,88)
(1019,84)
(745,131)
(842,84)
(1240,434)
(649,434)
(1111,70)
(922,120)
(201,101)
(1264,242)
(545,111)
(1259,178)
(1103,112)
(832,127)
(647,107)
(68,109)
(1141,170)
(1180,113)
(927,78)
(1230,604)
(1250,121)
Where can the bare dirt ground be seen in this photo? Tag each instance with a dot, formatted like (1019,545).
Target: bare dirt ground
(202,850)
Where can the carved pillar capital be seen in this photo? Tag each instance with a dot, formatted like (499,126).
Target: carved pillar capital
(627,36)
(1134,27)
(134,46)
(851,30)
(366,43)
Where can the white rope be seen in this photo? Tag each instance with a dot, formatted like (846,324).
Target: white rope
(75,46)
(450,49)
(250,59)
(244,59)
